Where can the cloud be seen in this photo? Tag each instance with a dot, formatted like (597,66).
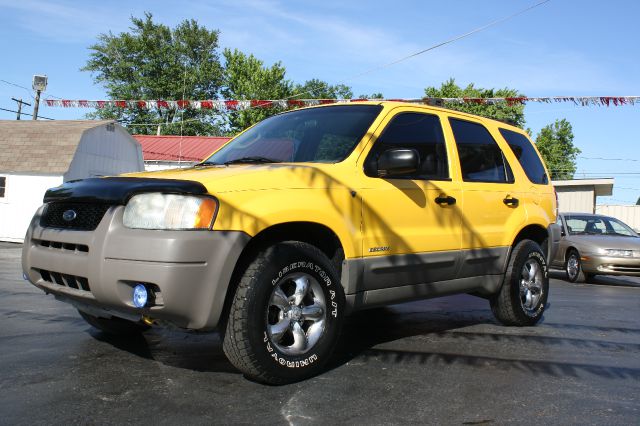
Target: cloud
(67,23)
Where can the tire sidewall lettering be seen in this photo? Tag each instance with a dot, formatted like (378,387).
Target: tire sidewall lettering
(283,360)
(539,257)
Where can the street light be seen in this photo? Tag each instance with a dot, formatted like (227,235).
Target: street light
(39,85)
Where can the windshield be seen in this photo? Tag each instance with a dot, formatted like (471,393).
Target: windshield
(325,135)
(597,225)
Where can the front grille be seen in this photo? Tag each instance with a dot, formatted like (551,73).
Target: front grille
(82,248)
(72,281)
(85,216)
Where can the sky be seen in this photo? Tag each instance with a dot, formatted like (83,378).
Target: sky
(561,48)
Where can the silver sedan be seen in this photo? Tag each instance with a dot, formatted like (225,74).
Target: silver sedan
(594,244)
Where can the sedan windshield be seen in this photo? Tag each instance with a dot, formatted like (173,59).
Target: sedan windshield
(324,135)
(597,225)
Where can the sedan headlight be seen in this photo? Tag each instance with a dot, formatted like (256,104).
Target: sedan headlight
(169,211)
(618,253)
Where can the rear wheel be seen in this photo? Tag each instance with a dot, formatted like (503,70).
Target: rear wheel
(113,325)
(523,296)
(286,314)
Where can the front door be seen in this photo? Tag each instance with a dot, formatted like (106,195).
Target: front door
(411,223)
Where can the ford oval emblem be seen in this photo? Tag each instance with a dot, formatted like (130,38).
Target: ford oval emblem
(69,215)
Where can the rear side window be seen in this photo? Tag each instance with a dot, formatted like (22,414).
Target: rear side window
(481,159)
(526,155)
(422,132)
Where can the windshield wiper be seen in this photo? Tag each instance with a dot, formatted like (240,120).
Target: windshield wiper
(256,159)
(207,164)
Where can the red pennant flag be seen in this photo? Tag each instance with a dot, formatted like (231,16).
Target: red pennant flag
(260,104)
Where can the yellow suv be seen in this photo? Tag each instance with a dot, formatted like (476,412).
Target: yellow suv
(300,220)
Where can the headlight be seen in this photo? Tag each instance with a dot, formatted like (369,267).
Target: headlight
(169,211)
(618,253)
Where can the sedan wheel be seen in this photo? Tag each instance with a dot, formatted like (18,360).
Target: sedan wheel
(572,266)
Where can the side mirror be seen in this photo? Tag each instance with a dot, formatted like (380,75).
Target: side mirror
(394,162)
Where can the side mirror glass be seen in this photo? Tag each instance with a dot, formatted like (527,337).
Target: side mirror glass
(394,162)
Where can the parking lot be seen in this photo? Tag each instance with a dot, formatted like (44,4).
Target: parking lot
(440,361)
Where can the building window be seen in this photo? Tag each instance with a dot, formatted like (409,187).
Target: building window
(3,184)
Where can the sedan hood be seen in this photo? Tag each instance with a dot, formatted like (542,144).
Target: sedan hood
(606,241)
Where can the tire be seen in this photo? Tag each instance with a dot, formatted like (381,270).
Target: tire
(114,326)
(286,314)
(573,267)
(523,295)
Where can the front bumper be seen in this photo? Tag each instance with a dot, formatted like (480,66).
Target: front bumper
(605,265)
(188,271)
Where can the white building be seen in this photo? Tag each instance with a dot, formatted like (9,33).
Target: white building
(579,195)
(37,155)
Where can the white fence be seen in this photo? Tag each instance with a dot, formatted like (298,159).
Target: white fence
(628,214)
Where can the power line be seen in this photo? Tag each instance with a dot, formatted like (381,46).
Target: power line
(30,91)
(451,40)
(608,159)
(26,113)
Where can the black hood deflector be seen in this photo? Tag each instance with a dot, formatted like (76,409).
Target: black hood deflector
(118,190)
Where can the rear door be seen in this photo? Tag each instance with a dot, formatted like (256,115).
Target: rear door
(492,210)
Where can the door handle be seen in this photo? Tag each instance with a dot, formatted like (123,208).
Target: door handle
(510,201)
(445,200)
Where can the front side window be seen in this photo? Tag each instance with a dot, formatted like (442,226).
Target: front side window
(422,132)
(324,135)
(526,155)
(481,159)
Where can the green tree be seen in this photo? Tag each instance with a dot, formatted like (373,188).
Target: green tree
(246,77)
(318,89)
(555,143)
(499,111)
(376,95)
(153,61)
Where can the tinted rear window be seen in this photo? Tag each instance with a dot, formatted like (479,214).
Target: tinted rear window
(526,155)
(481,159)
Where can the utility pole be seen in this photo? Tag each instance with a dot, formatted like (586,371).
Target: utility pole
(39,85)
(20,102)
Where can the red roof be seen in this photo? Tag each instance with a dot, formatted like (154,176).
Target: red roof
(178,148)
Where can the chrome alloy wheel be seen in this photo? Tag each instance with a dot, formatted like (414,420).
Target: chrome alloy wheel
(573,266)
(531,285)
(296,314)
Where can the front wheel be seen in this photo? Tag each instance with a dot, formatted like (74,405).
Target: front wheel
(523,296)
(573,267)
(286,314)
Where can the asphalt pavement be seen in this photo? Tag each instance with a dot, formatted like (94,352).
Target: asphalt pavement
(440,361)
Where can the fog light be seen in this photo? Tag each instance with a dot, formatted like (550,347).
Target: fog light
(140,296)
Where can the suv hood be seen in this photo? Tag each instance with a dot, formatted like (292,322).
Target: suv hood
(253,177)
